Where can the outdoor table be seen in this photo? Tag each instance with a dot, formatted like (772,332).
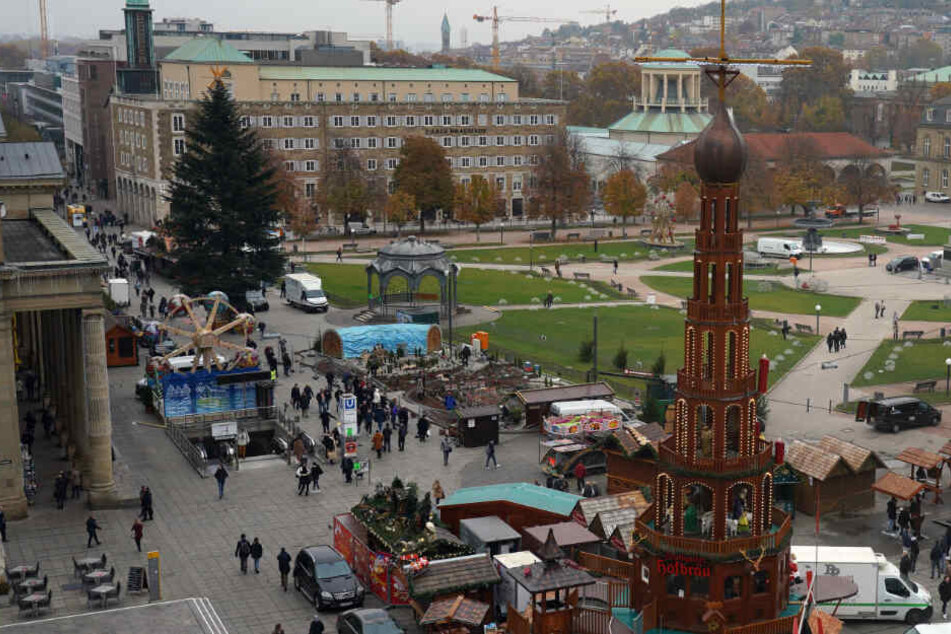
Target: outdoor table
(21,572)
(96,576)
(31,584)
(34,599)
(89,562)
(103,592)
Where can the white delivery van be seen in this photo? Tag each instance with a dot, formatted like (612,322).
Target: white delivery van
(930,628)
(305,291)
(119,291)
(573,408)
(883,594)
(779,247)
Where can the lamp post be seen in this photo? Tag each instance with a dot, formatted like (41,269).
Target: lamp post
(531,251)
(818,310)
(778,213)
(947,381)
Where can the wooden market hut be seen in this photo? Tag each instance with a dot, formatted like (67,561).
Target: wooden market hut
(473,576)
(606,521)
(517,504)
(631,456)
(588,508)
(932,464)
(862,463)
(456,615)
(537,403)
(898,486)
(571,537)
(622,538)
(121,344)
(827,477)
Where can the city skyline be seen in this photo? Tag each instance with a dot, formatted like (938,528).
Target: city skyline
(416,22)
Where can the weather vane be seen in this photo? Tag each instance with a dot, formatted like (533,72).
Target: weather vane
(725,75)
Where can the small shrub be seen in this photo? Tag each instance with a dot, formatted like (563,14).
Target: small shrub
(586,351)
(620,358)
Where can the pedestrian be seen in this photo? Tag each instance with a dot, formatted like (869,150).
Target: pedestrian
(303,479)
(387,435)
(315,473)
(242,440)
(843,337)
(904,565)
(278,629)
(446,449)
(137,528)
(76,479)
(580,471)
(944,591)
(785,329)
(878,306)
(284,566)
(91,527)
(242,551)
(257,551)
(316,627)
(378,443)
(937,559)
(339,254)
(464,355)
(287,363)
(829,341)
(913,552)
(59,490)
(904,521)
(3,525)
(221,474)
(295,396)
(325,419)
(490,455)
(346,465)
(891,511)
(149,513)
(401,437)
(422,429)
(283,289)
(615,266)
(438,494)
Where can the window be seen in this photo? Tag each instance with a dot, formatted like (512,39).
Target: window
(338,122)
(428,120)
(484,97)
(391,122)
(295,96)
(356,142)
(533,119)
(354,122)
(288,122)
(925,177)
(310,143)
(483,161)
(550,119)
(310,190)
(645,573)
(374,97)
(371,143)
(244,121)
(308,122)
(411,97)
(894,586)
(483,141)
(516,185)
(266,122)
(760,582)
(447,119)
(340,143)
(371,121)
(447,141)
(499,119)
(310,166)
(926,147)
(500,140)
(947,147)
(516,119)
(392,97)
(371,164)
(465,119)
(356,97)
(533,139)
(268,144)
(410,121)
(179,147)
(464,97)
(500,161)
(732,587)
(465,180)
(288,144)
(391,163)
(929,114)
(500,97)
(947,115)
(392,142)
(447,97)
(464,141)
(290,166)
(319,97)
(338,97)
(428,97)
(178,122)
(676,585)
(466,162)
(516,161)
(944,179)
(516,140)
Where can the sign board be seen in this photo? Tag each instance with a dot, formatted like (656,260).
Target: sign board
(470,423)
(350,448)
(154,577)
(349,403)
(651,299)
(872,239)
(224,431)
(915,236)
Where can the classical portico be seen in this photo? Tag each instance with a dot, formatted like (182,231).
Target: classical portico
(52,328)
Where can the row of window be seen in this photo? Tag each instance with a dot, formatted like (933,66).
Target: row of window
(926,179)
(411,97)
(128,160)
(130,117)
(463,162)
(926,147)
(394,121)
(930,115)
(131,137)
(175,89)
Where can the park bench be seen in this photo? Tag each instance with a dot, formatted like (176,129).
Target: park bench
(350,246)
(582,276)
(922,386)
(804,328)
(546,271)
(541,236)
(908,334)
(683,304)
(576,236)
(631,292)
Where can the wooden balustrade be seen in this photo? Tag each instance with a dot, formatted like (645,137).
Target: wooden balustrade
(516,623)
(606,566)
(776,626)
(760,460)
(691,386)
(589,621)
(676,543)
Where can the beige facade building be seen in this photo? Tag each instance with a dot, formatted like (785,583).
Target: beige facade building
(933,146)
(305,113)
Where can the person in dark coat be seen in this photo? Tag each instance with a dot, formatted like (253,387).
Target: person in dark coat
(346,465)
(387,435)
(401,436)
(904,521)
(284,566)
(937,559)
(944,591)
(316,627)
(242,551)
(147,512)
(221,474)
(3,525)
(913,552)
(257,551)
(315,473)
(891,511)
(91,527)
(303,479)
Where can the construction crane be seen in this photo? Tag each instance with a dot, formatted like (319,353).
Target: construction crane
(495,18)
(607,11)
(44,31)
(389,21)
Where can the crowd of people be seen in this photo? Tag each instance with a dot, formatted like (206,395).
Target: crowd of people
(836,339)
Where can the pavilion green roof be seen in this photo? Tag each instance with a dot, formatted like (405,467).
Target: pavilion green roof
(660,122)
(209,50)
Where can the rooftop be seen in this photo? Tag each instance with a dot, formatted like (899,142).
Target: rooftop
(454,575)
(934,76)
(814,461)
(565,393)
(566,533)
(46,241)
(489,528)
(671,52)
(375,73)
(207,49)
(767,146)
(35,159)
(672,122)
(522,493)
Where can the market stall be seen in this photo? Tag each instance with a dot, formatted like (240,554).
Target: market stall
(537,403)
(927,464)
(631,456)
(518,504)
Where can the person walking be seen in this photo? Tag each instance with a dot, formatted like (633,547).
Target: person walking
(913,552)
(242,551)
(842,337)
(3,525)
(346,465)
(829,341)
(878,305)
(257,551)
(387,436)
(315,473)
(295,396)
(303,479)
(316,627)
(284,566)
(490,455)
(378,443)
(401,435)
(137,528)
(446,449)
(944,591)
(76,480)
(325,420)
(339,255)
(91,527)
(438,494)
(891,512)
(580,471)
(278,629)
(615,266)
(937,559)
(221,474)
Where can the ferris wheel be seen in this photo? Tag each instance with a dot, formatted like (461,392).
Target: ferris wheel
(203,334)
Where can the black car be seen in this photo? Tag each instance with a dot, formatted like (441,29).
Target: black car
(322,575)
(894,414)
(902,263)
(367,621)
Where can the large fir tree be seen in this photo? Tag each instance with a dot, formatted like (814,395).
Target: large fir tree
(223,204)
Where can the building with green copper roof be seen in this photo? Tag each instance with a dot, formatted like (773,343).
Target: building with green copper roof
(207,50)
(670,52)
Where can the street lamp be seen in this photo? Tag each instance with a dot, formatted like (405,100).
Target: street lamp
(818,310)
(531,251)
(947,381)
(778,213)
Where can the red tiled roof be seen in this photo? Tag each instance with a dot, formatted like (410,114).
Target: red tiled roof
(771,146)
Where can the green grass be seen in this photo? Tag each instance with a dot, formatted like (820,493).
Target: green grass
(552,338)
(922,361)
(780,299)
(346,284)
(934,236)
(545,255)
(927,310)
(686,266)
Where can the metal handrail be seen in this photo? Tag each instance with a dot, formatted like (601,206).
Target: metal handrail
(192,454)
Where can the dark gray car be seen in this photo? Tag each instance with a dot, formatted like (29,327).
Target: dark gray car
(322,575)
(367,621)
(895,414)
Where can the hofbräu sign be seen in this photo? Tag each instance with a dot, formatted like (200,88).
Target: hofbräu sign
(686,566)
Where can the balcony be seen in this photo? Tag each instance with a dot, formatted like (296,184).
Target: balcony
(730,312)
(645,534)
(691,386)
(673,103)
(757,462)
(708,242)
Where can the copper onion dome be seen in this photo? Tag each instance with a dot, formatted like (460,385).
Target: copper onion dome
(720,153)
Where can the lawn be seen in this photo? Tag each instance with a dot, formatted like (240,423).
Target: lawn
(779,298)
(552,338)
(346,284)
(913,361)
(934,236)
(686,266)
(928,310)
(545,255)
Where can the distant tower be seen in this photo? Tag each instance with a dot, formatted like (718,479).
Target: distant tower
(463,37)
(445,33)
(140,52)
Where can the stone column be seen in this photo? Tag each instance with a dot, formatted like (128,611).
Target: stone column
(663,107)
(680,93)
(12,498)
(101,486)
(77,384)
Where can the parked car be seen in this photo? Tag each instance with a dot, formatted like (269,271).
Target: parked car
(933,260)
(323,575)
(367,621)
(779,247)
(937,197)
(895,414)
(836,211)
(902,263)
(256,300)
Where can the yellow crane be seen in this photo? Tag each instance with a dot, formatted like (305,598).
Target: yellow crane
(495,18)
(607,11)
(389,21)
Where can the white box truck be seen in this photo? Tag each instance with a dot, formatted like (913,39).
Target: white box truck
(119,291)
(884,595)
(305,291)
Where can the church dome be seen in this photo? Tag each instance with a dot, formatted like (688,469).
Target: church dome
(720,152)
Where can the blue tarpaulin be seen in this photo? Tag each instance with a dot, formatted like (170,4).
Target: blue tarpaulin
(187,393)
(359,339)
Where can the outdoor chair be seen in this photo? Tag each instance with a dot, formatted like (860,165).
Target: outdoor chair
(112,575)
(77,569)
(47,602)
(114,594)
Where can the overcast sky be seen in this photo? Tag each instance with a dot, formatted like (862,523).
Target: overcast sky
(415,22)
